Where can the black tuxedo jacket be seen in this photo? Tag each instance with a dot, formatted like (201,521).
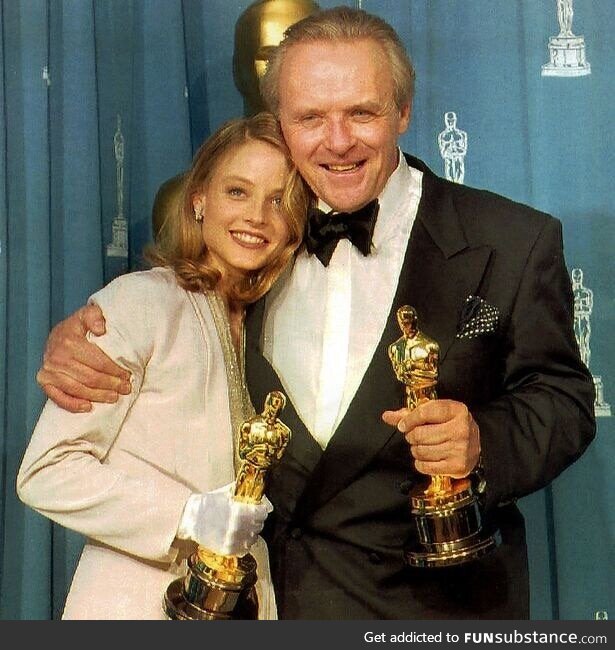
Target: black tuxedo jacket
(341,516)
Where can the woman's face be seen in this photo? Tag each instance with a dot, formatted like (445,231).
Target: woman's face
(244,226)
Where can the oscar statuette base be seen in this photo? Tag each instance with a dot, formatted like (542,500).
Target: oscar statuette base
(566,57)
(449,526)
(215,588)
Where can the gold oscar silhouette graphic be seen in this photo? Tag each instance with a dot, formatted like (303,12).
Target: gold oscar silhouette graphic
(221,587)
(446,511)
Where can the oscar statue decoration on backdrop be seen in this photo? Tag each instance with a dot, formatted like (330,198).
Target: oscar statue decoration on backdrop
(118,247)
(583,307)
(258,31)
(566,51)
(453,145)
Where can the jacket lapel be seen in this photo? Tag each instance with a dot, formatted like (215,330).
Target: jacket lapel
(261,379)
(442,267)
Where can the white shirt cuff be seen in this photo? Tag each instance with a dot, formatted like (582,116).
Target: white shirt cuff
(187,522)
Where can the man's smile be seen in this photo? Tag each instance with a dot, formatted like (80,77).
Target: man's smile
(343,168)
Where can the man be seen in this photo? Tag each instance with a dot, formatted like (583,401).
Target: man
(488,281)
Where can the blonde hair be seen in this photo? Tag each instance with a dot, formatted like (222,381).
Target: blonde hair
(342,24)
(180,245)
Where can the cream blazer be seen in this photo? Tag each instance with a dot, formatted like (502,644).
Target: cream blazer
(121,474)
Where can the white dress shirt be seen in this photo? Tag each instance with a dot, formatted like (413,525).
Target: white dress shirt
(322,324)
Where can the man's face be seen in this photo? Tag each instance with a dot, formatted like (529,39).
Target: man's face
(339,119)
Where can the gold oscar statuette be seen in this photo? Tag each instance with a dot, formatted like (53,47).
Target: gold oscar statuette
(445,510)
(258,31)
(221,587)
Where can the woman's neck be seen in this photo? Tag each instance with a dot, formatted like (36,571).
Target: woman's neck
(235,312)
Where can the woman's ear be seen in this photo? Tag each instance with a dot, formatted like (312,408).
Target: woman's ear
(198,205)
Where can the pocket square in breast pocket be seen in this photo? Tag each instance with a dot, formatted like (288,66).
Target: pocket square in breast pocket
(477,317)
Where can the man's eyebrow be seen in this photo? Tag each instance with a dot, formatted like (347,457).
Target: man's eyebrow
(367,103)
(303,110)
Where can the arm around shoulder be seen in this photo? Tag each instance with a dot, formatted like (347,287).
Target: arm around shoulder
(75,372)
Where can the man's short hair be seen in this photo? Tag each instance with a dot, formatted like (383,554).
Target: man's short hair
(342,24)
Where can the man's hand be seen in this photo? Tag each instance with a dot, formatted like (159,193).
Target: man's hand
(443,436)
(75,372)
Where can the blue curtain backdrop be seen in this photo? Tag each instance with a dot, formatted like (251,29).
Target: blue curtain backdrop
(89,83)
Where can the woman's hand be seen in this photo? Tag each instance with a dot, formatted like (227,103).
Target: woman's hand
(218,522)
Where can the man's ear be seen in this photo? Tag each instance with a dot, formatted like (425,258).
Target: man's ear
(404,117)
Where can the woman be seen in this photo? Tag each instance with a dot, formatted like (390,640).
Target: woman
(148,478)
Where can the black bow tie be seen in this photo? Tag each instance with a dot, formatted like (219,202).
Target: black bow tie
(324,230)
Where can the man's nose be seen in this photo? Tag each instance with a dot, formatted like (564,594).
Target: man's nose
(340,137)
